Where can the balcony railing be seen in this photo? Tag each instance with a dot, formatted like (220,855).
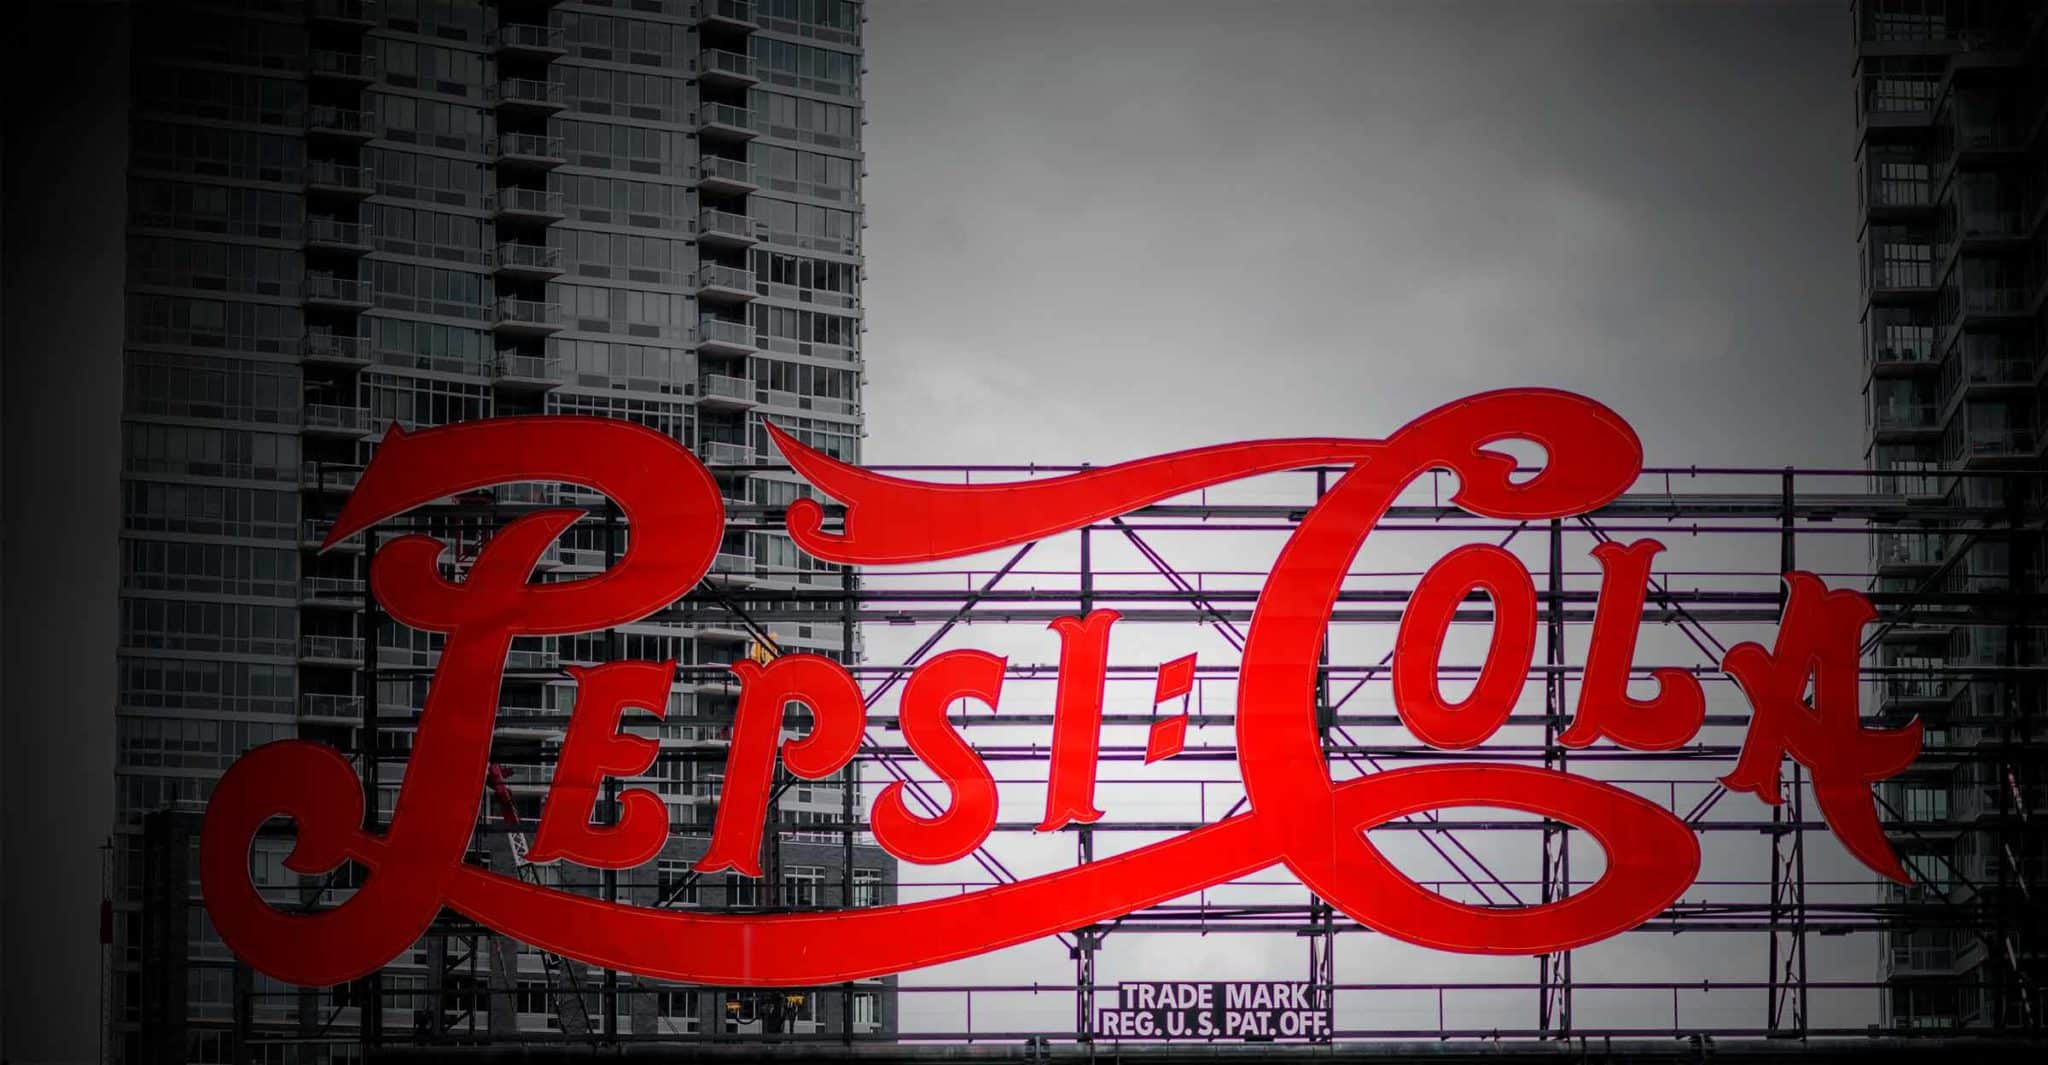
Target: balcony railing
(736,565)
(528,91)
(1992,443)
(329,475)
(516,256)
(334,231)
(332,587)
(732,64)
(336,348)
(712,275)
(338,119)
(722,331)
(719,168)
(1903,416)
(1999,369)
(337,289)
(326,704)
(720,453)
(725,115)
(740,11)
(528,201)
(327,61)
(524,367)
(528,37)
(330,174)
(727,386)
(726,223)
(528,146)
(338,648)
(336,416)
(529,312)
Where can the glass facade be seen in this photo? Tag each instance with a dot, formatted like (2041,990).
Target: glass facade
(346,215)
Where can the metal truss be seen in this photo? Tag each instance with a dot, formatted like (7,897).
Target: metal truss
(1730,533)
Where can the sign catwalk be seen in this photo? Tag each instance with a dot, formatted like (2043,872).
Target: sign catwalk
(1296,816)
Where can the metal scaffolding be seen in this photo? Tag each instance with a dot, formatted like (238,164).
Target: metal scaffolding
(1763,907)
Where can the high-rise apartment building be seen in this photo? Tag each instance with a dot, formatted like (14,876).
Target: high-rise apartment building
(345,215)
(1952,160)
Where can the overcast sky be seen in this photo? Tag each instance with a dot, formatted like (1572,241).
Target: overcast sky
(1103,230)
(1097,229)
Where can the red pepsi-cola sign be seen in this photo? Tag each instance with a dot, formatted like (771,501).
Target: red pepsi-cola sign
(1296,815)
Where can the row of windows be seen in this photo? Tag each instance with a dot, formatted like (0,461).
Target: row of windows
(608,144)
(599,254)
(667,418)
(626,40)
(222,628)
(804,379)
(153,743)
(806,226)
(424,401)
(205,685)
(799,65)
(432,290)
(597,90)
(810,327)
(215,265)
(816,274)
(216,209)
(207,323)
(215,152)
(837,439)
(624,201)
(604,309)
(444,125)
(798,118)
(616,364)
(209,452)
(429,346)
(217,36)
(203,386)
(826,177)
(425,66)
(428,234)
(210,510)
(430,178)
(232,97)
(210,568)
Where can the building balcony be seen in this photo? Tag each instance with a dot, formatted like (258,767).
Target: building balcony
(337,477)
(334,593)
(343,14)
(341,123)
(724,284)
(727,228)
(531,205)
(2010,442)
(725,122)
(525,40)
(720,453)
(725,391)
(331,349)
(729,568)
(1903,358)
(528,151)
(534,262)
(334,419)
(1905,418)
(527,95)
(334,65)
(326,290)
(731,14)
(719,174)
(726,68)
(533,659)
(331,650)
(527,373)
(532,317)
(327,177)
(335,235)
(718,336)
(326,706)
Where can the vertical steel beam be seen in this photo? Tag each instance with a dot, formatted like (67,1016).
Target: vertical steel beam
(1554,975)
(1086,939)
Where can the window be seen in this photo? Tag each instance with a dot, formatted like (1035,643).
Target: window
(867,887)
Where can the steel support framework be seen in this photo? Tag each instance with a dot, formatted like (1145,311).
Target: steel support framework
(1717,584)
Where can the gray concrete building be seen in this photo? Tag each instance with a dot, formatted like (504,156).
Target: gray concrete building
(345,215)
